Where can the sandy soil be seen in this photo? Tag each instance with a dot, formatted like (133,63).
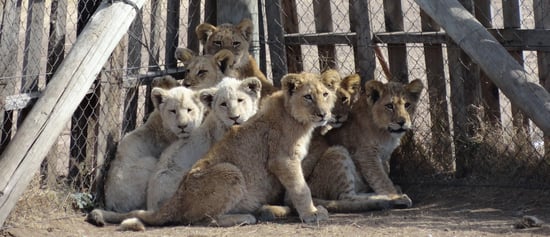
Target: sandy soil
(438,211)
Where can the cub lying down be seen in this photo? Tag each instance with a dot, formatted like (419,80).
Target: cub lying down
(251,166)
(231,102)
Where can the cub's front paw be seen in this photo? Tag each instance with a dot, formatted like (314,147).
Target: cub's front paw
(401,201)
(320,215)
(95,217)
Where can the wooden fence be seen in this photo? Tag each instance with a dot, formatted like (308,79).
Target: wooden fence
(462,105)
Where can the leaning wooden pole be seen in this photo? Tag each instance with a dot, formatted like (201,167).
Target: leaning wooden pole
(520,87)
(74,77)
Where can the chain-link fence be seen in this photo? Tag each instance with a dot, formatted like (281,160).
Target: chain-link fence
(464,126)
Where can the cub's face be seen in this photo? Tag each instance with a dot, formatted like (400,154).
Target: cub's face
(180,109)
(206,70)
(233,101)
(307,98)
(236,38)
(393,104)
(346,95)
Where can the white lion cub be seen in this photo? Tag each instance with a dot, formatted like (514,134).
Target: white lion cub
(231,102)
(178,111)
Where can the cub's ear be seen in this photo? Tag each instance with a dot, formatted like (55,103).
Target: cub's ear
(252,85)
(414,89)
(225,59)
(374,90)
(290,82)
(352,85)
(207,96)
(203,31)
(246,28)
(158,96)
(165,82)
(331,78)
(184,54)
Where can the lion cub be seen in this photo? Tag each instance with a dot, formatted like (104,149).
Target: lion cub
(178,111)
(237,39)
(374,129)
(231,102)
(251,166)
(205,71)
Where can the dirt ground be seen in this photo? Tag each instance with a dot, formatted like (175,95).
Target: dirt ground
(438,211)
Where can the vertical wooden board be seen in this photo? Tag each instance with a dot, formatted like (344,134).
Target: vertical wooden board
(9,43)
(439,112)
(365,63)
(155,42)
(397,53)
(261,31)
(210,15)
(542,21)
(193,20)
(323,23)
(172,33)
(275,36)
(489,91)
(291,25)
(135,35)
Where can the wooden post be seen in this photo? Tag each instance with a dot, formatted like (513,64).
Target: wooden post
(155,41)
(542,21)
(291,25)
(365,63)
(397,53)
(60,99)
(485,50)
(8,45)
(275,36)
(193,19)
(172,33)
(323,23)
(437,93)
(135,33)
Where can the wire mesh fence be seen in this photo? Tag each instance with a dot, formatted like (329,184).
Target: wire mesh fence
(465,127)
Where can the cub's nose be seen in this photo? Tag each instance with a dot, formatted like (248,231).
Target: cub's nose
(184,126)
(235,118)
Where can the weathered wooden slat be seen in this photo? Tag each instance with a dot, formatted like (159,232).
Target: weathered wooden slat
(155,46)
(322,14)
(276,40)
(193,20)
(542,21)
(437,94)
(172,33)
(503,70)
(397,52)
(365,63)
(135,35)
(291,25)
(53,110)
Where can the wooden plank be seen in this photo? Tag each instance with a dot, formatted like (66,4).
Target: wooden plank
(512,20)
(9,43)
(437,93)
(542,21)
(172,33)
(210,12)
(365,63)
(322,14)
(489,91)
(261,30)
(277,42)
(193,20)
(291,25)
(503,70)
(155,47)
(131,95)
(397,53)
(60,99)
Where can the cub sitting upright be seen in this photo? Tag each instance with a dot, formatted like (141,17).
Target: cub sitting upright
(237,39)
(251,166)
(178,111)
(231,102)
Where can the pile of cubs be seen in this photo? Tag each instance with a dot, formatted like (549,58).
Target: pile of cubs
(229,148)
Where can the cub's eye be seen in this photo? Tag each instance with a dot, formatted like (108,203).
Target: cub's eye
(240,100)
(189,110)
(407,105)
(325,94)
(202,72)
(344,99)
(217,43)
(389,106)
(172,111)
(308,97)
(224,104)
(236,44)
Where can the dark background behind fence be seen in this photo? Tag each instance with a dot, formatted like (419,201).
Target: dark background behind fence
(466,131)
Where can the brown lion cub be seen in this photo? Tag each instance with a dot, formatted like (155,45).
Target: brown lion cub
(251,166)
(374,129)
(237,39)
(205,71)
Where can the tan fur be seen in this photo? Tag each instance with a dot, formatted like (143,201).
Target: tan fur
(374,129)
(206,70)
(165,82)
(252,165)
(178,111)
(231,102)
(237,39)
